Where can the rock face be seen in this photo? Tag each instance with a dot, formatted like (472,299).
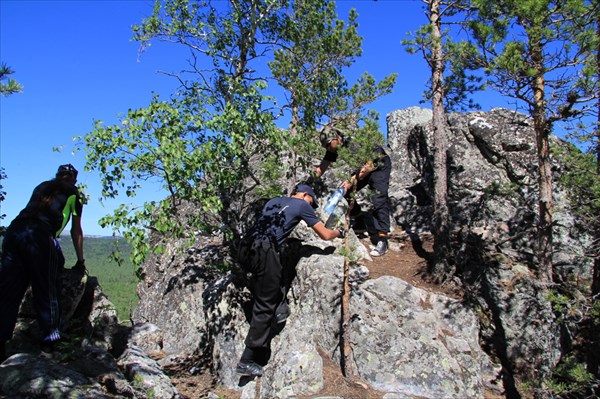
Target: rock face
(94,361)
(406,342)
(493,207)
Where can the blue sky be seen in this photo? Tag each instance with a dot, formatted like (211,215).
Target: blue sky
(77,64)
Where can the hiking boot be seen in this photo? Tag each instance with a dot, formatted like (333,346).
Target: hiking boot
(249,368)
(282,313)
(48,349)
(381,248)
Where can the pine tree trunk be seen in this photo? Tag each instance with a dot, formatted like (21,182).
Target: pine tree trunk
(542,131)
(293,180)
(440,145)
(593,363)
(597,135)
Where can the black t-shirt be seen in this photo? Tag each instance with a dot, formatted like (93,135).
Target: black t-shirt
(279,217)
(330,156)
(52,204)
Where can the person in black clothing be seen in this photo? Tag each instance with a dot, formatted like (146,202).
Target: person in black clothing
(31,254)
(261,255)
(375,174)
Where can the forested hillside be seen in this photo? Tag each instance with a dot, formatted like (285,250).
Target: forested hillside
(117,280)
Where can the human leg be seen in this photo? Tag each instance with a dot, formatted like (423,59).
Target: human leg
(267,295)
(14,281)
(47,262)
(379,181)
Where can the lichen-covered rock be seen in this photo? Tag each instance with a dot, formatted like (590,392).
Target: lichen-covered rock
(146,375)
(27,376)
(410,341)
(492,200)
(83,364)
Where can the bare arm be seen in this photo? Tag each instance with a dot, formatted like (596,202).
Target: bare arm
(77,236)
(324,232)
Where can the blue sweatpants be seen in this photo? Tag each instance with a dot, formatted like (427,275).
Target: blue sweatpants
(30,255)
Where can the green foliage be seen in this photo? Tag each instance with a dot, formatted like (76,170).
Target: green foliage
(361,149)
(460,57)
(309,64)
(198,146)
(581,178)
(559,302)
(215,145)
(350,253)
(495,189)
(118,280)
(11,86)
(518,42)
(570,378)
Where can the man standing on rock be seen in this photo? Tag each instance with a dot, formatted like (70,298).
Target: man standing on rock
(31,254)
(261,255)
(375,174)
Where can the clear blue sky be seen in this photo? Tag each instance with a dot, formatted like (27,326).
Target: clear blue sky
(77,64)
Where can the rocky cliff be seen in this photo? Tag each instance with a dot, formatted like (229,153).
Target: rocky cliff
(406,342)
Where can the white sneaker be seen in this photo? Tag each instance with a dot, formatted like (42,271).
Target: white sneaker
(380,249)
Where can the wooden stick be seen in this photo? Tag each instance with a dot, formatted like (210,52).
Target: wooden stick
(346,326)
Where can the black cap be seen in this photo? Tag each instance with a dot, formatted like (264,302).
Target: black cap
(67,169)
(305,188)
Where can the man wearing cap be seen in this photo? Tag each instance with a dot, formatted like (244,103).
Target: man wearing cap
(375,174)
(31,254)
(260,254)
(331,139)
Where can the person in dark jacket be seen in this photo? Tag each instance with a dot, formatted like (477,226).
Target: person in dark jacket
(261,255)
(31,255)
(375,174)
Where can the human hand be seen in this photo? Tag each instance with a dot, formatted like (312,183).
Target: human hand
(80,267)
(346,185)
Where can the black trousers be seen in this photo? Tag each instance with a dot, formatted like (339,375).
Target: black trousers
(30,255)
(263,260)
(379,181)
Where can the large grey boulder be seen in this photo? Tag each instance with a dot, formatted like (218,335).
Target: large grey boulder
(85,364)
(492,198)
(456,367)
(26,376)
(406,342)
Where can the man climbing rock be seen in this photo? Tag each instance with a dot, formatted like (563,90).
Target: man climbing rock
(31,254)
(261,255)
(375,174)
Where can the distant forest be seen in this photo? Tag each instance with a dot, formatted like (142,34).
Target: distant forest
(118,281)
